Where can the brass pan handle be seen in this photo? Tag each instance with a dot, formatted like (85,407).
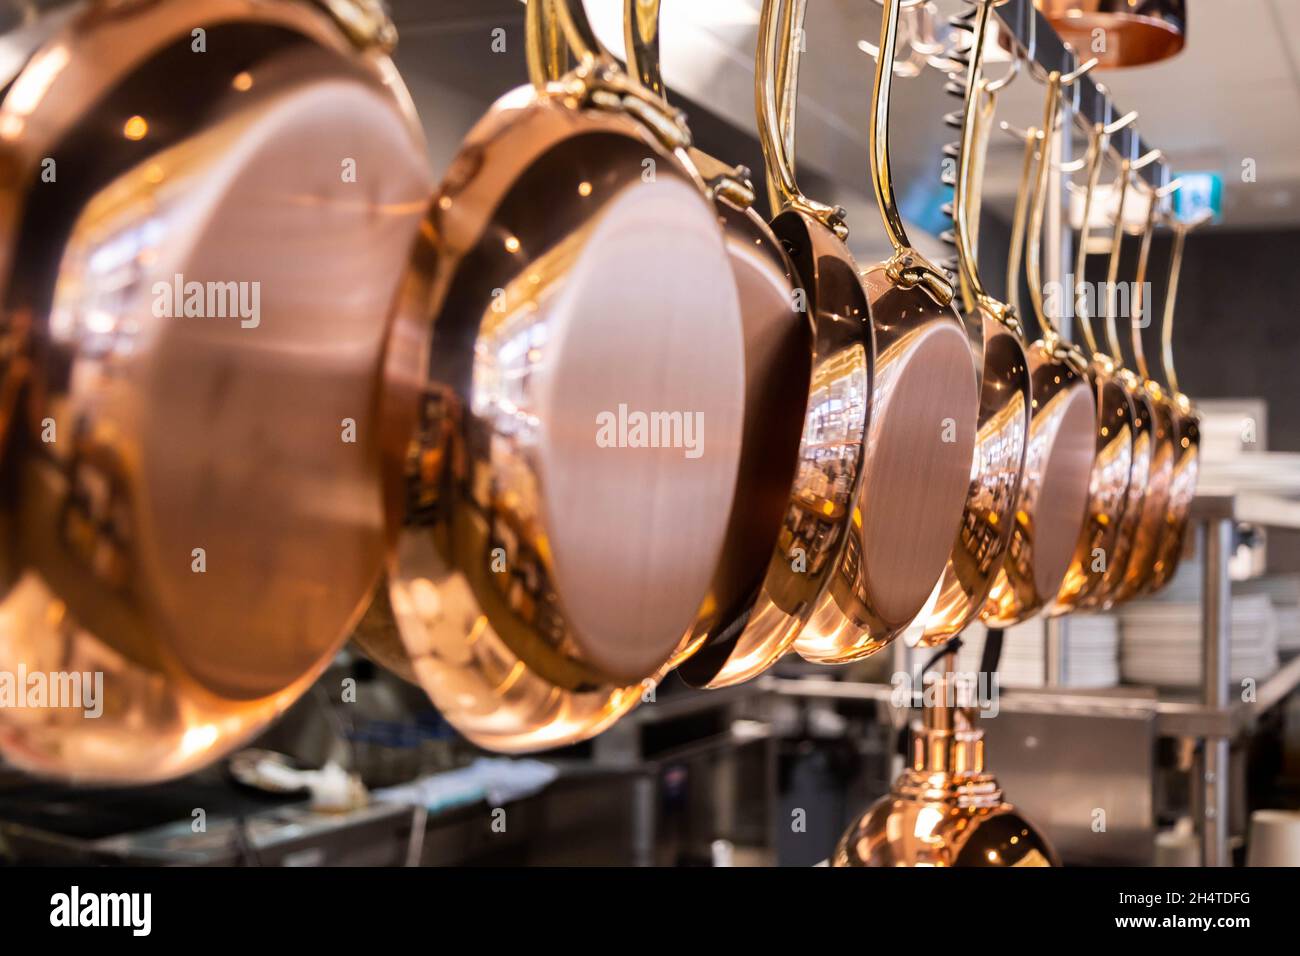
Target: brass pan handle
(1127,169)
(778,23)
(544,45)
(1020,218)
(981,98)
(1144,261)
(641,37)
(908,267)
(1181,229)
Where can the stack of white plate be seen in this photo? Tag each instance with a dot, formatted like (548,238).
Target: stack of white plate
(1090,652)
(1284,591)
(1161,641)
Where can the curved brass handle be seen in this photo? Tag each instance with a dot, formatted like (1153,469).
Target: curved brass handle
(1020,218)
(1033,240)
(1096,152)
(777,24)
(907,267)
(981,99)
(641,38)
(544,45)
(1116,247)
(1144,261)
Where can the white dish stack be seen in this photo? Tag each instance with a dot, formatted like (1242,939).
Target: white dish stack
(1090,652)
(1162,641)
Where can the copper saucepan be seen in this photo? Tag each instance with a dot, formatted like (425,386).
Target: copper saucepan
(1134,32)
(1187,430)
(1144,415)
(744,627)
(564,405)
(200,210)
(1062,428)
(921,440)
(995,335)
(1098,541)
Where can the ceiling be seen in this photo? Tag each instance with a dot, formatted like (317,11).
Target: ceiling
(1232,94)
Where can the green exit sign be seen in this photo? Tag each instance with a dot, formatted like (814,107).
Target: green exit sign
(1199,192)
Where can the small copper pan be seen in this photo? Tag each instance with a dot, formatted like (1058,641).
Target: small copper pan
(743,629)
(1136,32)
(570,292)
(1151,519)
(194,307)
(995,334)
(1187,431)
(921,442)
(1058,458)
(1144,414)
(1098,542)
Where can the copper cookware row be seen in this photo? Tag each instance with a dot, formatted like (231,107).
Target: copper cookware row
(588,414)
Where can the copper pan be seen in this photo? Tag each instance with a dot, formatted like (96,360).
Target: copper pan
(1062,428)
(1151,518)
(1120,33)
(192,495)
(1187,431)
(744,628)
(569,275)
(995,336)
(1144,415)
(1099,540)
(921,440)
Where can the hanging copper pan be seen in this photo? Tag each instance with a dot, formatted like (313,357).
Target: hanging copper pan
(1108,488)
(569,276)
(1120,33)
(1062,428)
(743,628)
(994,331)
(1150,517)
(921,440)
(1144,414)
(200,209)
(1187,430)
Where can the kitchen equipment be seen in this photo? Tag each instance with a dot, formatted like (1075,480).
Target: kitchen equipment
(1120,33)
(1097,544)
(921,439)
(1144,414)
(995,336)
(1058,457)
(1274,838)
(564,403)
(1187,429)
(945,809)
(1151,519)
(745,628)
(195,275)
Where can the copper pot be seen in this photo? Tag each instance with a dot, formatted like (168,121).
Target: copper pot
(569,276)
(754,610)
(196,273)
(1120,33)
(995,336)
(1059,454)
(921,438)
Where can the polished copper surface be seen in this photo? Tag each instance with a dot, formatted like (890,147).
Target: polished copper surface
(1059,453)
(742,629)
(921,437)
(1132,32)
(188,515)
(540,575)
(993,329)
(945,809)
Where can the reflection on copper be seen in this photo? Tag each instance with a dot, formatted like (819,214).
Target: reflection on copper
(179,514)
